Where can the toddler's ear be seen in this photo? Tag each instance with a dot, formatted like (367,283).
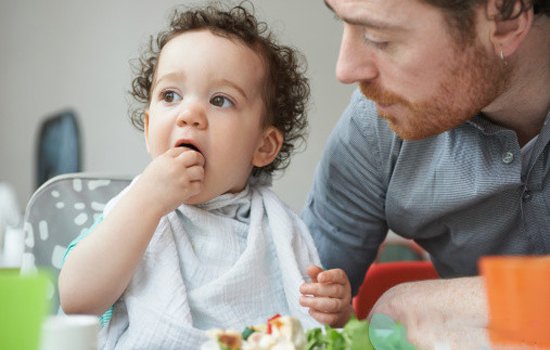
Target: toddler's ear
(268,148)
(146,129)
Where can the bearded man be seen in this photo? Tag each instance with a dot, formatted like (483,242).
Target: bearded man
(446,142)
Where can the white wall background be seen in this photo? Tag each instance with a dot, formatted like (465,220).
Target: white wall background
(57,54)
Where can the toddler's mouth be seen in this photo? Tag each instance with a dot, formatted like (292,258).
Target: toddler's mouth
(190,146)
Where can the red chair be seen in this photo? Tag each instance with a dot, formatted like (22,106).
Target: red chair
(382,276)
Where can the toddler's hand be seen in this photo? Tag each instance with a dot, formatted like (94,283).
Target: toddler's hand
(172,177)
(328,296)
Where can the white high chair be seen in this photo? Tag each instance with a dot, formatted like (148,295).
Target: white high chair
(57,213)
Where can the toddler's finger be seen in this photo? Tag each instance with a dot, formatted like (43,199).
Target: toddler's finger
(191,157)
(195,173)
(333,276)
(313,271)
(324,318)
(325,305)
(333,290)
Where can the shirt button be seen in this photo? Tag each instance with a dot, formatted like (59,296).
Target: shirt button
(508,158)
(526,195)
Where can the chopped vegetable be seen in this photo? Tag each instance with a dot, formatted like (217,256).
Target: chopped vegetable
(272,322)
(247,332)
(354,336)
(358,334)
(283,332)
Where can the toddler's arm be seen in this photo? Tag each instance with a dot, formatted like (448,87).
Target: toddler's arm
(99,268)
(328,296)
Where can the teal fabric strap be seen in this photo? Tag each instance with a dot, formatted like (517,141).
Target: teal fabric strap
(106,317)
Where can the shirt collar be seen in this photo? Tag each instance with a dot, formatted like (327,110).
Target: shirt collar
(485,125)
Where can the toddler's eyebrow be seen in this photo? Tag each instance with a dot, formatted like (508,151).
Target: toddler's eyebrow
(168,76)
(234,86)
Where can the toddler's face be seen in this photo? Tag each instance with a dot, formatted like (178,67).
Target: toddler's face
(207,94)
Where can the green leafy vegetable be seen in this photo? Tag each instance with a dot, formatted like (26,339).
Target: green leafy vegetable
(358,333)
(247,332)
(354,336)
(382,334)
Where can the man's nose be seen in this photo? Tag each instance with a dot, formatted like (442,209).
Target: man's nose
(355,60)
(192,114)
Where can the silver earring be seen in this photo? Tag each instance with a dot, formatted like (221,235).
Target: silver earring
(502,58)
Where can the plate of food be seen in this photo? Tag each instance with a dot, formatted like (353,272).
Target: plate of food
(287,333)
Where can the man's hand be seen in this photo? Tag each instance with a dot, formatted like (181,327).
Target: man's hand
(328,296)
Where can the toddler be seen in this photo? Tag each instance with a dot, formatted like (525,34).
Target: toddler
(199,240)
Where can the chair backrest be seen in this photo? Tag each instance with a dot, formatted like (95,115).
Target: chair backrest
(58,212)
(382,276)
(58,147)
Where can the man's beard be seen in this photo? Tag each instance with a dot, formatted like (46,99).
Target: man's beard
(471,82)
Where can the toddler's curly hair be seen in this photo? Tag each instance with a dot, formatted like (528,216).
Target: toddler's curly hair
(286,89)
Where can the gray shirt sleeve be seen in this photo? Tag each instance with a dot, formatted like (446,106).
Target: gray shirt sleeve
(345,210)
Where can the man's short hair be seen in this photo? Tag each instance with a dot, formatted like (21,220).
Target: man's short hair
(460,13)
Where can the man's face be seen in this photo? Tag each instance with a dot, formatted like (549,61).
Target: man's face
(404,58)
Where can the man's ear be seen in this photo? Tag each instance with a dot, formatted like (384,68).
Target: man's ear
(146,129)
(507,35)
(268,148)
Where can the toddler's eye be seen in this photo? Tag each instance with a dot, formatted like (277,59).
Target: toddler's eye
(221,101)
(170,96)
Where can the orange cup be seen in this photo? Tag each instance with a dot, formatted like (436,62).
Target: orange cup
(518,294)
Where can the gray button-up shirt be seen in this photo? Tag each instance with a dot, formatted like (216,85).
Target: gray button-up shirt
(461,194)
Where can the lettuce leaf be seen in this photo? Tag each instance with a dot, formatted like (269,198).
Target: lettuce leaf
(381,334)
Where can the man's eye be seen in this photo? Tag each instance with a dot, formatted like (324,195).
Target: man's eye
(376,44)
(221,101)
(170,96)
(374,40)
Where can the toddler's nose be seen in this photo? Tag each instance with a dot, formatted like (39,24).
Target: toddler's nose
(192,116)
